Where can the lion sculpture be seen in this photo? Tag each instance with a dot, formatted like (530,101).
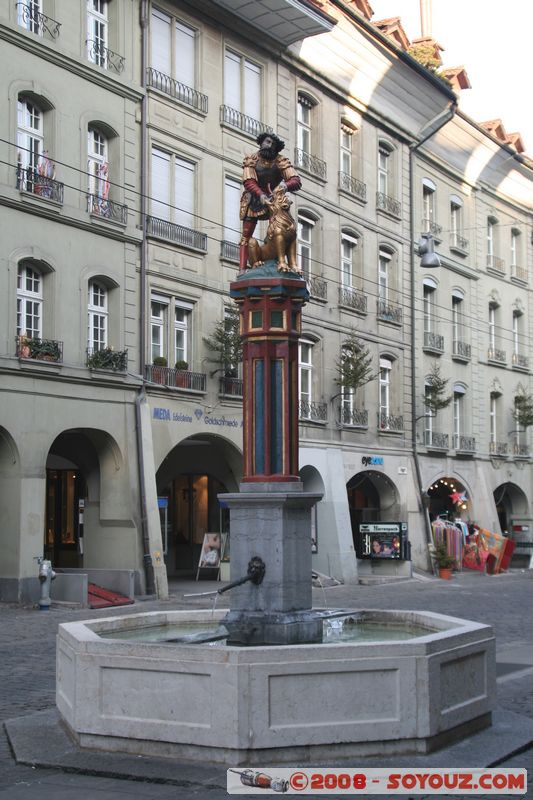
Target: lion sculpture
(280,240)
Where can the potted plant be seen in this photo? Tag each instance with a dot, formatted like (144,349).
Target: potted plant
(159,370)
(182,378)
(445,562)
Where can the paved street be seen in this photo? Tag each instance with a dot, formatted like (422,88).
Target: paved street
(27,671)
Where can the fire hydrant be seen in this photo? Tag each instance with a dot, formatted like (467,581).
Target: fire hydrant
(46,576)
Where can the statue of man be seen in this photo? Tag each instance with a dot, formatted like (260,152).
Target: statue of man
(262,173)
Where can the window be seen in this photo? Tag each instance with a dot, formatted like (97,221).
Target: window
(304,140)
(232,224)
(305,378)
(157,328)
(97,168)
(385,368)
(490,240)
(493,309)
(173,344)
(347,133)
(517,334)
(242,84)
(28,15)
(97,326)
(514,248)
(97,29)
(430,289)
(29,301)
(348,253)
(181,332)
(493,416)
(173,48)
(305,243)
(30,139)
(384,265)
(428,203)
(428,415)
(458,410)
(384,155)
(173,188)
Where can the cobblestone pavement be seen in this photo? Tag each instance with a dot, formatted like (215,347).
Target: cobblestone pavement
(27,666)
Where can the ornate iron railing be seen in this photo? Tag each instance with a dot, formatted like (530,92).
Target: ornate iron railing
(233,118)
(354,417)
(433,341)
(229,251)
(519,273)
(390,422)
(231,386)
(186,237)
(389,204)
(351,298)
(463,443)
(318,287)
(520,361)
(521,450)
(388,312)
(102,56)
(495,263)
(352,186)
(315,412)
(458,241)
(29,180)
(39,349)
(428,226)
(107,209)
(311,164)
(461,349)
(498,448)
(179,91)
(496,355)
(36,22)
(107,358)
(436,440)
(183,379)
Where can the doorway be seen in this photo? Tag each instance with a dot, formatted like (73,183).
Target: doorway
(65,490)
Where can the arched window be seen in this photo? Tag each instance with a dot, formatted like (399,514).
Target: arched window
(385,370)
(29,301)
(97,32)
(349,253)
(30,142)
(306,242)
(97,324)
(98,172)
(305,372)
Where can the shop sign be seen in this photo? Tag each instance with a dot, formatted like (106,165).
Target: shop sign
(382,540)
(167,415)
(372,461)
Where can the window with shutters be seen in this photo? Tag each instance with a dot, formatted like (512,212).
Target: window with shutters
(174,59)
(173,200)
(243,94)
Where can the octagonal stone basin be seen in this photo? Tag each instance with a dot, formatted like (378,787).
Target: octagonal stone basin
(257,705)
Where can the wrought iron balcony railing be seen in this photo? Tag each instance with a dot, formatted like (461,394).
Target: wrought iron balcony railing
(352,186)
(461,350)
(388,312)
(241,122)
(520,362)
(314,412)
(231,386)
(318,287)
(496,264)
(433,341)
(39,349)
(519,273)
(388,204)
(107,358)
(498,449)
(179,91)
(178,234)
(497,356)
(103,57)
(351,298)
(354,417)
(436,441)
(458,242)
(182,379)
(311,164)
(390,423)
(463,443)
(107,209)
(35,21)
(521,450)
(428,226)
(29,180)
(229,251)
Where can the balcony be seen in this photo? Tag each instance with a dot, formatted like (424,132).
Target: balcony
(497,356)
(310,164)
(351,298)
(35,22)
(461,350)
(521,450)
(182,379)
(29,180)
(177,234)
(518,274)
(107,209)
(286,21)
(495,264)
(354,417)
(428,226)
(231,387)
(241,122)
(389,312)
(520,362)
(312,412)
(318,287)
(38,349)
(229,251)
(464,445)
(104,57)
(108,359)
(389,423)
(433,342)
(178,91)
(436,441)
(388,204)
(352,186)
(498,449)
(459,243)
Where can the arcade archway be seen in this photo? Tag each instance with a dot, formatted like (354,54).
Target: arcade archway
(448,499)
(511,502)
(372,497)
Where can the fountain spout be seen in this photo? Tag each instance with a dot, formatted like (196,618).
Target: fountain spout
(255,574)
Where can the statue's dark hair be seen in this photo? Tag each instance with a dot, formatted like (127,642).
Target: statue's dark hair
(279,144)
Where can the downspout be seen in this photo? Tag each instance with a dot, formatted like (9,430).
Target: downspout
(141,396)
(435,125)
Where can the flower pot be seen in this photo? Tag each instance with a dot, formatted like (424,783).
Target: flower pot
(182,379)
(445,573)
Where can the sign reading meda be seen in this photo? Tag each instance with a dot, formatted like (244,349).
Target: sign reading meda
(167,415)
